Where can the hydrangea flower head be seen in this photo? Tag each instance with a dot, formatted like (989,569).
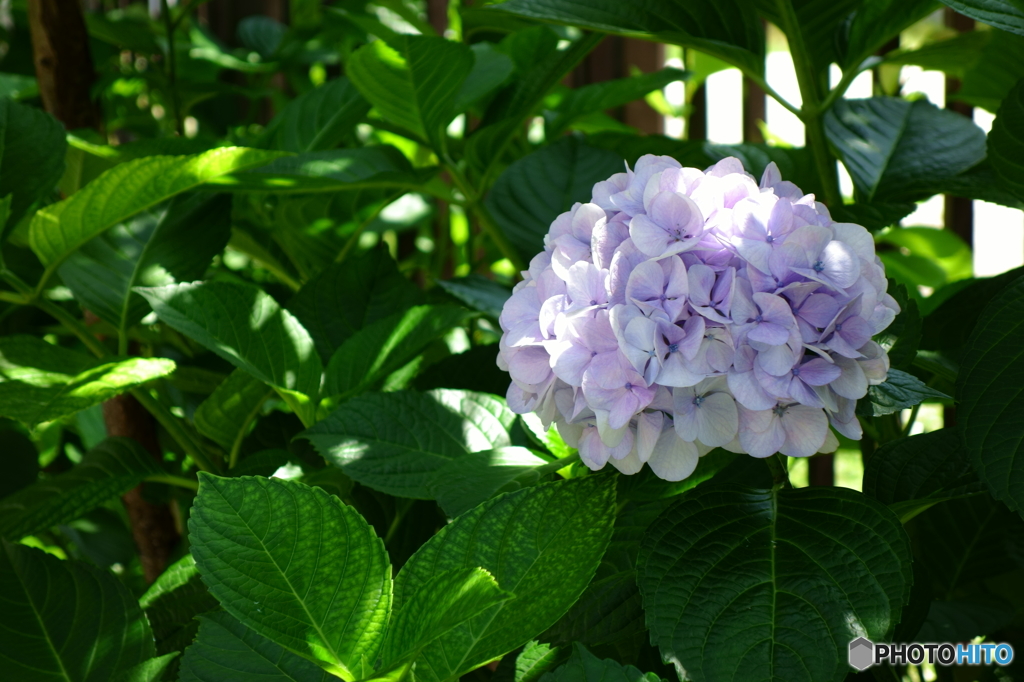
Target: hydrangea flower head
(680,310)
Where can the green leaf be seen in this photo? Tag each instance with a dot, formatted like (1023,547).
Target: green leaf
(1007,15)
(413,83)
(21,461)
(584,666)
(295,565)
(112,468)
(993,72)
(761,584)
(542,543)
(961,620)
(871,215)
(65,620)
(607,95)
(148,671)
(726,29)
(534,190)
(40,381)
(944,247)
(32,148)
(173,601)
(980,182)
(348,296)
(394,442)
(536,659)
(920,471)
(379,349)
(335,170)
(899,151)
(902,338)
(988,388)
(948,325)
(169,244)
(1006,141)
(875,23)
(227,650)
(435,613)
(246,327)
(478,292)
(466,481)
(898,392)
(491,69)
(125,190)
(226,415)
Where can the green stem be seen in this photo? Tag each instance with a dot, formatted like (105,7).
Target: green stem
(841,87)
(910,422)
(780,471)
(402,506)
(811,110)
(176,429)
(760,81)
(172,68)
(179,481)
(354,237)
(558,464)
(487,224)
(77,328)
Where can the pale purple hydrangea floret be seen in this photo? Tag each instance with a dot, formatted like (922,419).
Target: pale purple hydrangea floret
(681,310)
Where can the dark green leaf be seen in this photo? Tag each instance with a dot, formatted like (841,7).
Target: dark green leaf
(899,151)
(989,390)
(336,170)
(534,190)
(394,442)
(631,147)
(465,482)
(437,614)
(531,664)
(542,543)
(902,338)
(125,190)
(20,461)
(265,463)
(113,467)
(320,119)
(348,296)
(1006,141)
(227,650)
(726,29)
(65,620)
(246,327)
(994,70)
(953,55)
(584,666)
(413,83)
(261,34)
(760,584)
(473,370)
(226,415)
(173,601)
(491,69)
(961,620)
(898,392)
(1005,14)
(32,149)
(40,381)
(948,325)
(148,671)
(607,95)
(478,292)
(383,347)
(295,565)
(872,216)
(169,244)
(875,23)
(980,182)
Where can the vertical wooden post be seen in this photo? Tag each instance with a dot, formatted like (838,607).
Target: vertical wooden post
(753,111)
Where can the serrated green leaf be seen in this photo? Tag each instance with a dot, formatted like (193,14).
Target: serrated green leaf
(226,415)
(32,148)
(898,392)
(900,151)
(227,650)
(1007,15)
(348,296)
(542,543)
(726,29)
(443,604)
(148,671)
(534,190)
(394,442)
(465,482)
(40,381)
(478,292)
(1006,141)
(112,468)
(171,243)
(65,620)
(295,565)
(584,666)
(173,601)
(125,190)
(775,583)
(379,349)
(320,119)
(413,83)
(988,388)
(245,326)
(335,170)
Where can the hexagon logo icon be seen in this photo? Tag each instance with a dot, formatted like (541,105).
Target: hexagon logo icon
(862,653)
